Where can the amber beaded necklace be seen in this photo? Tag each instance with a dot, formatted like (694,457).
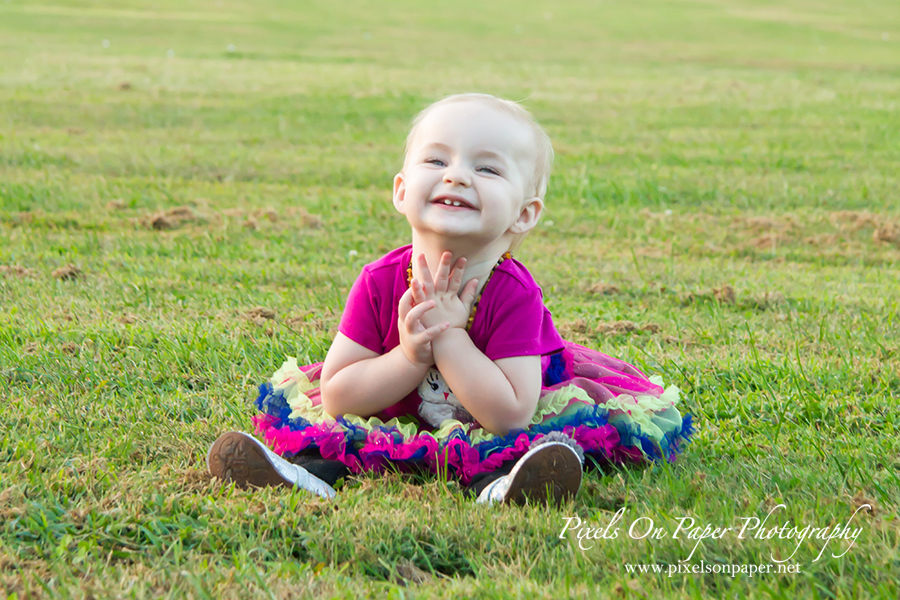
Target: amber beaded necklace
(409,278)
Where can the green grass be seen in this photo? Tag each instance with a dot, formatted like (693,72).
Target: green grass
(700,144)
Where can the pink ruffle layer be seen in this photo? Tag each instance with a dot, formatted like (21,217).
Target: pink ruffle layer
(380,450)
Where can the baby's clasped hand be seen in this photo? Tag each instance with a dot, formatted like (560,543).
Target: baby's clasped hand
(415,338)
(450,307)
(433,306)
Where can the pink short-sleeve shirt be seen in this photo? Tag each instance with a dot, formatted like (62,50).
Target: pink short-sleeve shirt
(511,319)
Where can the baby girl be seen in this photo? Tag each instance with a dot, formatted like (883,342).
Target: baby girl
(446,358)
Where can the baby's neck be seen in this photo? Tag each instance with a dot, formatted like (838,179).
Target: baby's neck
(479,260)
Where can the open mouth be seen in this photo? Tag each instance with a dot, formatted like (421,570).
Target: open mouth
(454,201)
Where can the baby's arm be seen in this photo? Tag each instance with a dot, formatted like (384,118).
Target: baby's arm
(358,381)
(500,395)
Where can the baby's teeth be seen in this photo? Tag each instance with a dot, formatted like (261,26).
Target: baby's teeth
(456,204)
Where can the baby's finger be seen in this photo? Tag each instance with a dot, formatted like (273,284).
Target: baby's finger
(418,293)
(468,294)
(432,332)
(406,303)
(441,280)
(416,313)
(425,274)
(456,276)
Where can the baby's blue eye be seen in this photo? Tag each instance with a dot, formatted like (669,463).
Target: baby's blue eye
(435,161)
(490,170)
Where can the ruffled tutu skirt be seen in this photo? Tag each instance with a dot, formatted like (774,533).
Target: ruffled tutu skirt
(612,411)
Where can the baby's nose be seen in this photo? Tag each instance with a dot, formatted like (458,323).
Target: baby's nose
(457,176)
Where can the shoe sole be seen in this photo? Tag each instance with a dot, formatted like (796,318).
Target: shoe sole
(238,457)
(552,472)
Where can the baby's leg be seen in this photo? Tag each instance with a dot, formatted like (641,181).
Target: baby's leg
(551,471)
(241,458)
(482,480)
(327,470)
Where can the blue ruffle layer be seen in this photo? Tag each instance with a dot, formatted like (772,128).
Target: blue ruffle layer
(275,405)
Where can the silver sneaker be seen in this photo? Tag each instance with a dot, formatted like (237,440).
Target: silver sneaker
(241,458)
(550,471)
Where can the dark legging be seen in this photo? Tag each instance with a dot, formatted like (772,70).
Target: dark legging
(330,471)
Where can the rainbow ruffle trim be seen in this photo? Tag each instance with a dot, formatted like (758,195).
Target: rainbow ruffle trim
(623,428)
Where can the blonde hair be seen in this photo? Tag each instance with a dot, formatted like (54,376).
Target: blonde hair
(544,159)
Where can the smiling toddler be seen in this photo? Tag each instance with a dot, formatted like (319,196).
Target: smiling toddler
(446,358)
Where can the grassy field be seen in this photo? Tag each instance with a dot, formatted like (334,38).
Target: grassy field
(726,180)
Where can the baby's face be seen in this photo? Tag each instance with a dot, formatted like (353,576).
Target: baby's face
(468,172)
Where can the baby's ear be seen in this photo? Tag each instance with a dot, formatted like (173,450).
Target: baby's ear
(399,191)
(528,217)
